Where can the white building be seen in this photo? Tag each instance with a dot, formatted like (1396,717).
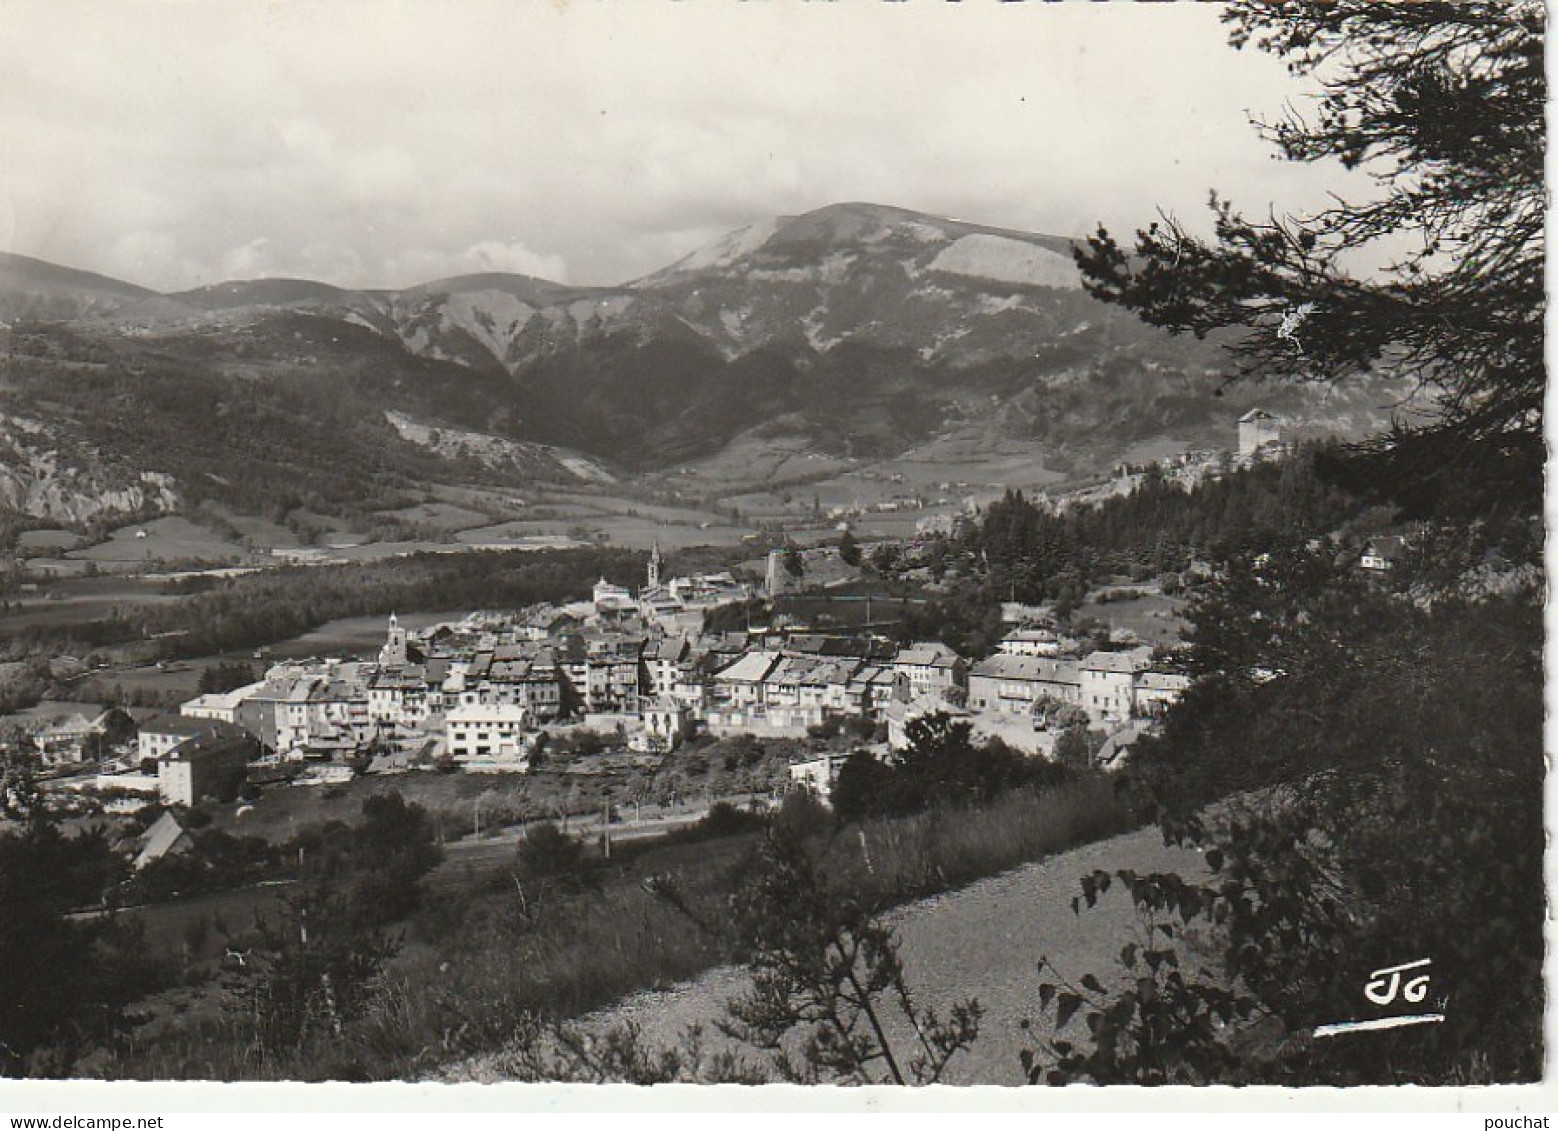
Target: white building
(1156,692)
(1382,554)
(664,719)
(1031,642)
(160,735)
(1257,428)
(931,668)
(816,775)
(741,684)
(486,732)
(612,599)
(1109,684)
(222,705)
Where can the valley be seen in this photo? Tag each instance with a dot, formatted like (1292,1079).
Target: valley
(859,358)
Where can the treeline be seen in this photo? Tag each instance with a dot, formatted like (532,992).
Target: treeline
(1158,528)
(262,608)
(1020,550)
(940,766)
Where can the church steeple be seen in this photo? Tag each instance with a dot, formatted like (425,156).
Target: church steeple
(654,566)
(393,654)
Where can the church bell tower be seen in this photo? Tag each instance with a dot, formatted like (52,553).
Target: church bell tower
(654,567)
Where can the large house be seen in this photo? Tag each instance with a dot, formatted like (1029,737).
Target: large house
(487,732)
(61,730)
(221,705)
(742,683)
(665,661)
(210,764)
(524,676)
(1012,685)
(1030,642)
(931,669)
(1108,683)
(159,735)
(1156,692)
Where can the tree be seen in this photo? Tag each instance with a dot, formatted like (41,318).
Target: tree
(317,969)
(849,549)
(862,783)
(118,727)
(225,677)
(940,765)
(1361,763)
(1356,794)
(548,853)
(68,981)
(1441,104)
(829,1000)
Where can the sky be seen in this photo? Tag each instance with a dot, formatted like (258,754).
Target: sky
(176,143)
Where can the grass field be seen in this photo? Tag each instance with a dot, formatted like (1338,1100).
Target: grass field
(47,540)
(1154,618)
(165,540)
(69,601)
(444,517)
(255,531)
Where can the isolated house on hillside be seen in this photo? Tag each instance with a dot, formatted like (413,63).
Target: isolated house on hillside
(1382,553)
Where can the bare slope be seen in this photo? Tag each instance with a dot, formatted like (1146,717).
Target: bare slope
(983,942)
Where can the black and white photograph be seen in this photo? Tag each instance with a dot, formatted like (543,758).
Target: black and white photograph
(846,544)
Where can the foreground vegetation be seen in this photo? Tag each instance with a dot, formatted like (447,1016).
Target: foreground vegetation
(1386,739)
(380,963)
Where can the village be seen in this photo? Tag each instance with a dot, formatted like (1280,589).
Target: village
(642,670)
(631,676)
(483,693)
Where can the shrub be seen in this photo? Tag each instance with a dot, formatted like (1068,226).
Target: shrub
(546,852)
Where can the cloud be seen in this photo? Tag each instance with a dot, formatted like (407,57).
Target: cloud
(252,260)
(390,141)
(491,255)
(150,254)
(423,265)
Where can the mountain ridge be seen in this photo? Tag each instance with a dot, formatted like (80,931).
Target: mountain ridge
(857,329)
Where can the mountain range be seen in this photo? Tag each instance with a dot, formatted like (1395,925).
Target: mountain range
(858,329)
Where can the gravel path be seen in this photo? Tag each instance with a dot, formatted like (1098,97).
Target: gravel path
(983,941)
